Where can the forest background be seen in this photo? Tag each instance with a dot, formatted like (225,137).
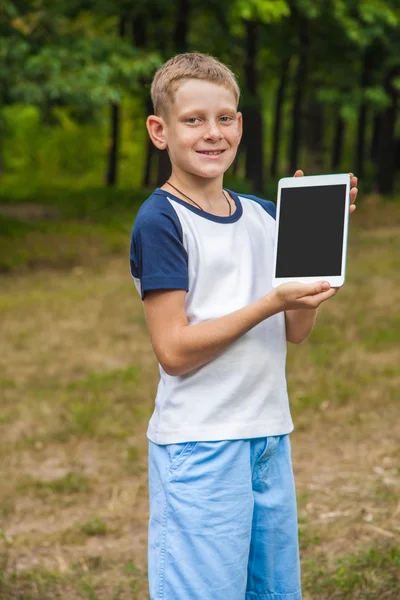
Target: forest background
(320,83)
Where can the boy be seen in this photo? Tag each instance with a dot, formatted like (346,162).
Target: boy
(223,523)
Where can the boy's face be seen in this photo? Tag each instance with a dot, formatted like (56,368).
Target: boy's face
(202,129)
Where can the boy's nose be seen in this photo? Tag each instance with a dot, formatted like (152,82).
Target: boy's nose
(213,132)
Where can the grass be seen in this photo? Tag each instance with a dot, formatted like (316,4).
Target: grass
(372,574)
(95,526)
(78,583)
(79,377)
(27,246)
(32,585)
(72,483)
(80,225)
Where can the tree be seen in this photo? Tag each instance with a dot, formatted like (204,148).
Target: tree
(278,110)
(254,16)
(111,176)
(58,55)
(371,29)
(386,164)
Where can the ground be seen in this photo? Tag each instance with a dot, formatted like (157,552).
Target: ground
(78,379)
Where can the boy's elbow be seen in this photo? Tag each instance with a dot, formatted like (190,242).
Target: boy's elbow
(170,366)
(293,339)
(171,370)
(169,358)
(176,367)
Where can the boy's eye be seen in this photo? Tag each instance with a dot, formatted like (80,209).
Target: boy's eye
(225,119)
(192,120)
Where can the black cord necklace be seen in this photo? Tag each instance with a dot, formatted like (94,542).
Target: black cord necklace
(179,191)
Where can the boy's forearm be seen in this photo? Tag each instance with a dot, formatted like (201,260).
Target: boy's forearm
(299,324)
(198,344)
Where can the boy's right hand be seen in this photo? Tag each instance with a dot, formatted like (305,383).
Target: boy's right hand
(292,296)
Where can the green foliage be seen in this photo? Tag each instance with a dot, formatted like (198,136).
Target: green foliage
(47,58)
(68,148)
(266,11)
(378,13)
(92,72)
(362,21)
(70,60)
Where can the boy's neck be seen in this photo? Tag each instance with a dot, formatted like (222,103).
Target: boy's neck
(207,192)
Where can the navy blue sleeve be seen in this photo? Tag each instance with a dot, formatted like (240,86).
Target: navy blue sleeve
(268,206)
(158,257)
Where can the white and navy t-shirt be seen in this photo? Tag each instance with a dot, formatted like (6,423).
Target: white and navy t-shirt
(224,264)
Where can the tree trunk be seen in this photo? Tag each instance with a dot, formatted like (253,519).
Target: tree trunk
(254,162)
(376,127)
(140,40)
(180,44)
(299,87)
(139,31)
(361,129)
(280,96)
(252,116)
(236,164)
(182,26)
(338,142)
(150,150)
(397,155)
(2,133)
(386,166)
(374,57)
(367,67)
(112,168)
(164,167)
(314,131)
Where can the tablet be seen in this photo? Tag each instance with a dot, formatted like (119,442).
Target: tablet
(311,229)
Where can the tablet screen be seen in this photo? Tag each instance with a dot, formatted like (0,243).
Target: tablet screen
(310,234)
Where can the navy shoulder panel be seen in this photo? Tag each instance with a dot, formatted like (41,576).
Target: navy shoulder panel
(157,254)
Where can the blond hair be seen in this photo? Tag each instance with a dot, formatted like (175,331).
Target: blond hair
(190,65)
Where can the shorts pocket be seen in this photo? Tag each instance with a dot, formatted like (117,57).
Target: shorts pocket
(178,453)
(271,445)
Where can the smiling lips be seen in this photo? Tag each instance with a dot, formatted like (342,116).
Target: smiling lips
(210,152)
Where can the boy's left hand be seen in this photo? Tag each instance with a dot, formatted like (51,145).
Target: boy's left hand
(353,189)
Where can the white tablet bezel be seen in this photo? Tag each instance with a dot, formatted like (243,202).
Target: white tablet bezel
(306,181)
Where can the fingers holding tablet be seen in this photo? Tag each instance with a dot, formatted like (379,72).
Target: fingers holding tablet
(293,296)
(353,192)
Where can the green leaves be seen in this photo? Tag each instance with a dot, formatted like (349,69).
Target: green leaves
(377,97)
(62,63)
(363,21)
(265,11)
(380,12)
(92,70)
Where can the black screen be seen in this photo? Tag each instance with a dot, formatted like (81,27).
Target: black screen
(310,235)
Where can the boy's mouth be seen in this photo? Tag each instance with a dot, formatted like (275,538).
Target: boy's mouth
(210,152)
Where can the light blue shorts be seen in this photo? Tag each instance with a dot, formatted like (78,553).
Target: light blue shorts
(223,521)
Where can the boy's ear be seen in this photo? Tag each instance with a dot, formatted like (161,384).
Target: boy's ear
(156,126)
